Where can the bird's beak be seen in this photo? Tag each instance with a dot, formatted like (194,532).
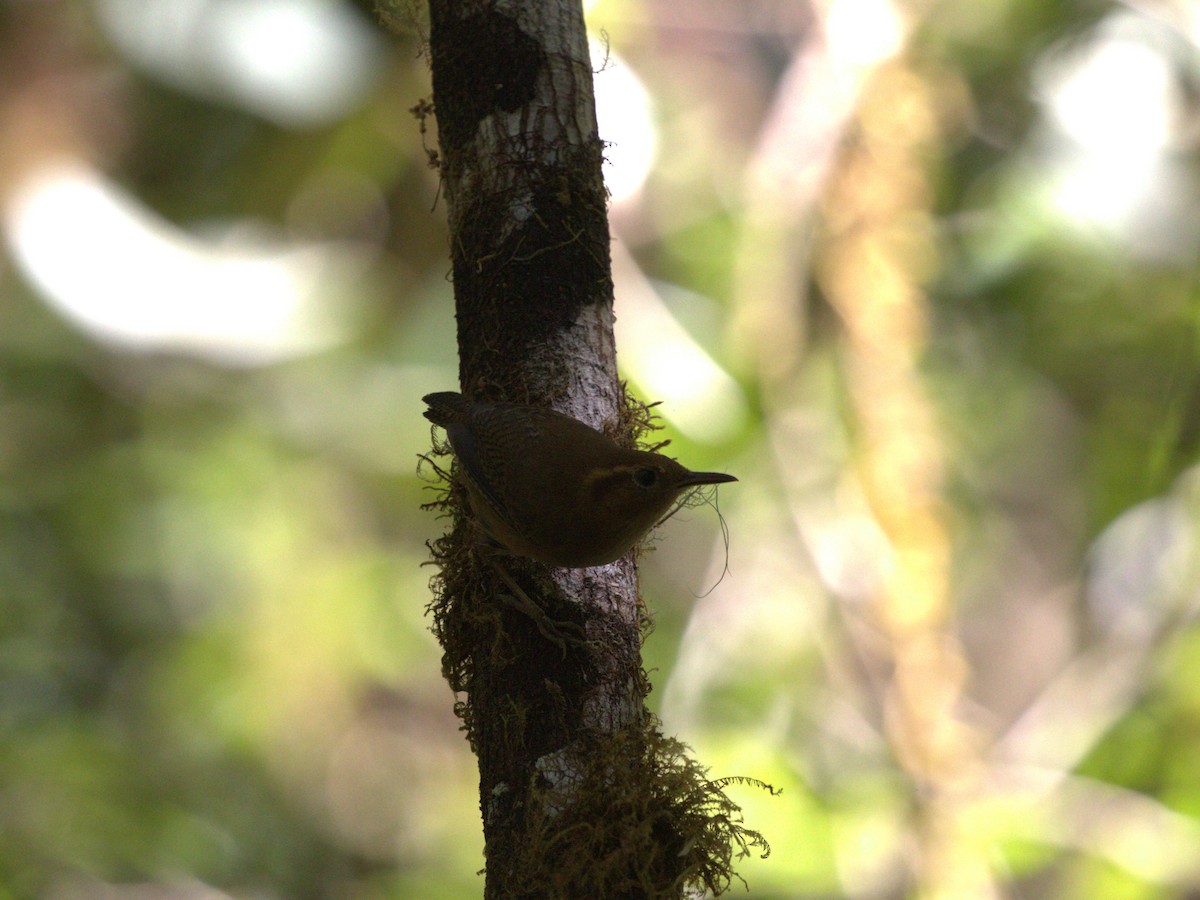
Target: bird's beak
(694,478)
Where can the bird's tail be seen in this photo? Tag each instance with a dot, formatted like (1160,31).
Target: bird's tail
(446,408)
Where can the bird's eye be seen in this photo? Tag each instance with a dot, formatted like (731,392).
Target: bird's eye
(645,477)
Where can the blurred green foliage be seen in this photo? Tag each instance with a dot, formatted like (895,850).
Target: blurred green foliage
(214,664)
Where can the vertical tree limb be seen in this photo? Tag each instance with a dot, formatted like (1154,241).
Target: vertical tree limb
(533,293)
(580,793)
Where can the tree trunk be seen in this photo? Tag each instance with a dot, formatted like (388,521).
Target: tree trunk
(581,795)
(521,174)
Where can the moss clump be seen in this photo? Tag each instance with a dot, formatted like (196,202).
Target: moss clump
(631,815)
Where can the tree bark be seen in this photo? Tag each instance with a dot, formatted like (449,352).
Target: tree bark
(520,161)
(581,794)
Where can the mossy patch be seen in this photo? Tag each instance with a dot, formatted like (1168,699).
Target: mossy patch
(635,817)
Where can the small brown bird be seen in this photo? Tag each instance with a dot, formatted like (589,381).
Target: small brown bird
(549,487)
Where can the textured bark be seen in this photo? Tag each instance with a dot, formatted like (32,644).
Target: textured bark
(520,160)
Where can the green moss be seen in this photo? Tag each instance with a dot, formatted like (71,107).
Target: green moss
(632,815)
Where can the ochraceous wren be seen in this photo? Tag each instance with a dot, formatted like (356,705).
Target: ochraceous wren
(549,487)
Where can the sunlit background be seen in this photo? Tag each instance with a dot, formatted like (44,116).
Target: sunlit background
(924,275)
